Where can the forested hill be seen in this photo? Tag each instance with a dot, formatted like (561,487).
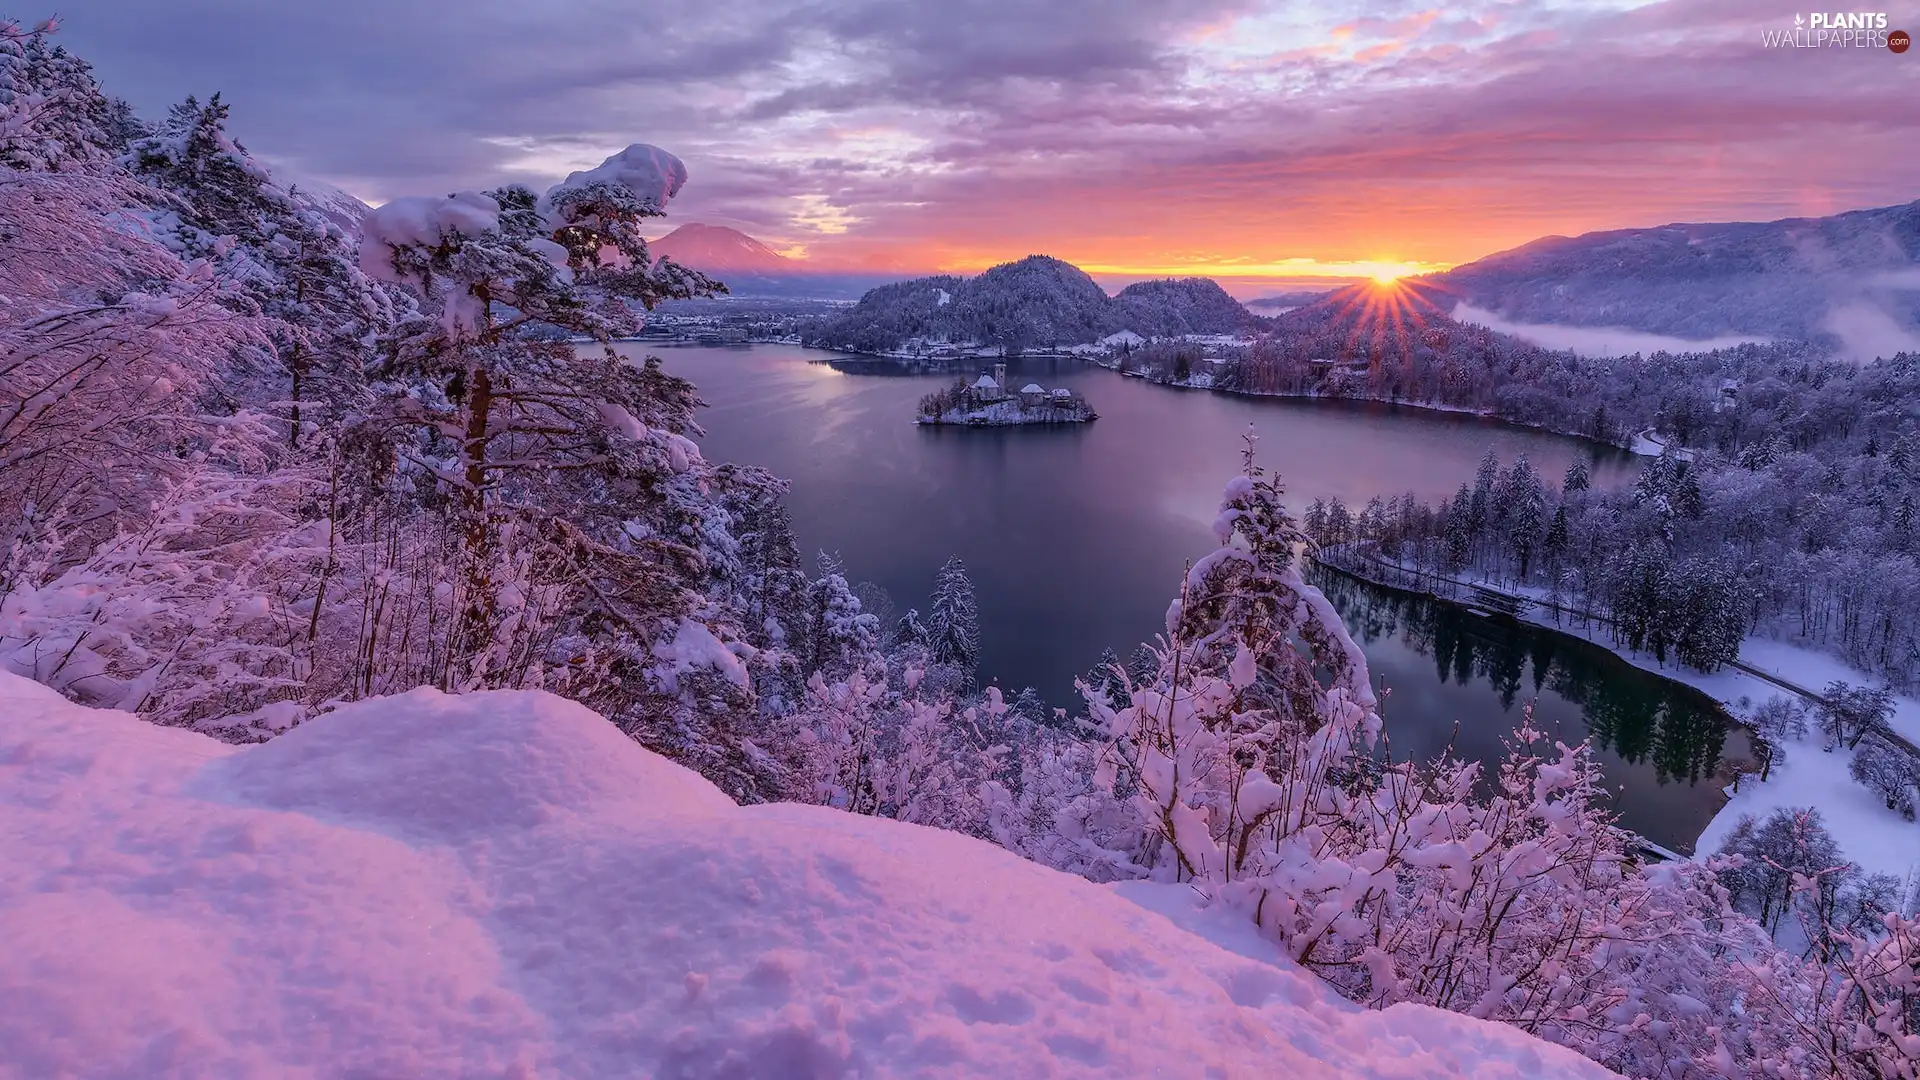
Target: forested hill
(1037,301)
(1820,279)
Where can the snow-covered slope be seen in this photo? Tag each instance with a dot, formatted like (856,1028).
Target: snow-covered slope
(501,885)
(341,208)
(1851,279)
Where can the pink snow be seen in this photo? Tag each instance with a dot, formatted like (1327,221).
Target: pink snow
(422,220)
(694,646)
(502,885)
(651,173)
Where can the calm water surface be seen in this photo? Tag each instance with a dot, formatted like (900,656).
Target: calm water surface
(1077,536)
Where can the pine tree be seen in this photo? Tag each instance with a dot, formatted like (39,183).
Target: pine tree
(296,263)
(1554,545)
(1459,529)
(1520,507)
(505,410)
(1316,522)
(53,117)
(1339,522)
(953,626)
(841,638)
(1576,479)
(1106,680)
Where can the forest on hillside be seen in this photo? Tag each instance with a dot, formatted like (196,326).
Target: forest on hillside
(1037,302)
(1794,483)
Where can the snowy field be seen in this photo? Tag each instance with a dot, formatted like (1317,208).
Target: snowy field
(502,885)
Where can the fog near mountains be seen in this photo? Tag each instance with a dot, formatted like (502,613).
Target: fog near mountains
(1849,282)
(1596,341)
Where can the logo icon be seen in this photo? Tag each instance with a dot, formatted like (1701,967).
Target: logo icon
(1899,41)
(1798,21)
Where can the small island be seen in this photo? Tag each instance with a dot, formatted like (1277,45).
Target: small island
(986,402)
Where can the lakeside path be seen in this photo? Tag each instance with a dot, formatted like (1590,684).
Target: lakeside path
(1803,773)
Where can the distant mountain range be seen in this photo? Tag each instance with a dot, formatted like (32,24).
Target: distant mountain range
(1851,280)
(1285,301)
(1035,302)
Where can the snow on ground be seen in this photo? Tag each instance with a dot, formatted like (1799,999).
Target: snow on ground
(1813,670)
(502,885)
(1876,838)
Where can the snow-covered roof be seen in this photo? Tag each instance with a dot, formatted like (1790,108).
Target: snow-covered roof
(1062,392)
(985,382)
(1124,337)
(1033,388)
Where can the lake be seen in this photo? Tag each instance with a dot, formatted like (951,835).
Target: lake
(1077,537)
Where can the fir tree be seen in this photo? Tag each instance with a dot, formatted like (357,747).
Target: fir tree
(953,626)
(1576,479)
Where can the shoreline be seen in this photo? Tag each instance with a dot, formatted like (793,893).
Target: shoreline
(1636,443)
(1732,718)
(1801,772)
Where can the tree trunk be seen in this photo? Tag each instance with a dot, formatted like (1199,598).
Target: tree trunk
(478,537)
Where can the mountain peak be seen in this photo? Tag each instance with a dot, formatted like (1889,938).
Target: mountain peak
(720,250)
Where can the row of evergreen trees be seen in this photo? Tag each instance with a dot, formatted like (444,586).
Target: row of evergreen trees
(1620,557)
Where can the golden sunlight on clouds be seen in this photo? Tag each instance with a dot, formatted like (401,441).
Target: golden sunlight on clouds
(815,213)
(1380,270)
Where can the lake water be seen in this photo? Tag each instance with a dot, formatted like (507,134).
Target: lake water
(1077,537)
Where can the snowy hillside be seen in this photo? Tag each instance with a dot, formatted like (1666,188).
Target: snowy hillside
(1851,280)
(502,885)
(1038,301)
(339,207)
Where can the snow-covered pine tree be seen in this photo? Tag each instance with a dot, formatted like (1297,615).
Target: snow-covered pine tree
(1459,529)
(841,638)
(1316,522)
(53,117)
(1520,506)
(298,265)
(505,409)
(953,624)
(1576,479)
(1339,522)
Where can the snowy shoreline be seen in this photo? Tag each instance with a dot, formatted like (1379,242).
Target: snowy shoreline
(1636,444)
(1877,838)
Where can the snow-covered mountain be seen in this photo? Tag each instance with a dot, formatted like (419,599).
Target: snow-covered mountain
(502,884)
(1851,279)
(718,250)
(1036,301)
(750,268)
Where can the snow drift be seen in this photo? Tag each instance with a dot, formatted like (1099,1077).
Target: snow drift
(502,885)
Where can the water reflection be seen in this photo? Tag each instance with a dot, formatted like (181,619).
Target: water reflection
(1077,537)
(1671,746)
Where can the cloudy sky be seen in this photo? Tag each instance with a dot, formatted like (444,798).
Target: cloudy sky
(1134,137)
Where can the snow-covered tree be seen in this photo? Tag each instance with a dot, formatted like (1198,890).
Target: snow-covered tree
(503,410)
(1888,773)
(953,624)
(1851,713)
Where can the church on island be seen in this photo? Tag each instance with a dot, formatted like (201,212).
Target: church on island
(988,401)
